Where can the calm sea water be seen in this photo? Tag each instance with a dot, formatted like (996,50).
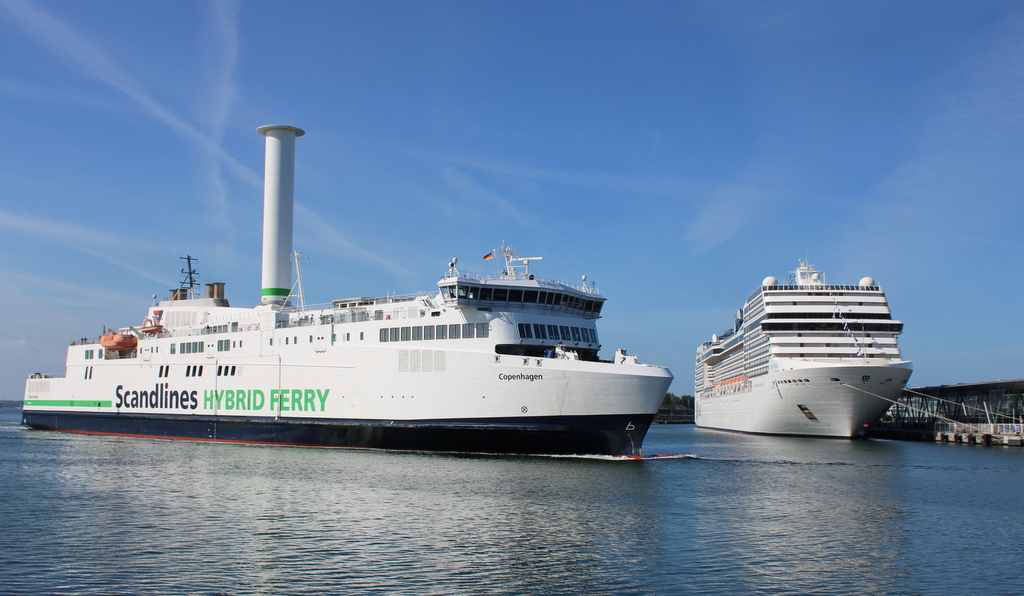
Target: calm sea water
(744,515)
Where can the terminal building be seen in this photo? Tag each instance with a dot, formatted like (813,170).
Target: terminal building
(966,411)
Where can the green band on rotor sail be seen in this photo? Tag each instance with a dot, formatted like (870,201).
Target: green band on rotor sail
(276,291)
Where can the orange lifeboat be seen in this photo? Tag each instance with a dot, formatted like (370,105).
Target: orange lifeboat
(148,326)
(118,341)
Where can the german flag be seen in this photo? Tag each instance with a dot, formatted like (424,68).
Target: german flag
(489,256)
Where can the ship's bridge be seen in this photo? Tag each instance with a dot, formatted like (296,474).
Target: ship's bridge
(502,295)
(516,287)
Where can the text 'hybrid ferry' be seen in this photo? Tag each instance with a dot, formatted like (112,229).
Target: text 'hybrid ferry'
(805,358)
(491,364)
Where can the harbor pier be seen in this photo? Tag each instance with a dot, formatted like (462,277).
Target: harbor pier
(986,413)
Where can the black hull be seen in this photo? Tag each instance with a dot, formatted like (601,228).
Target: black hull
(562,435)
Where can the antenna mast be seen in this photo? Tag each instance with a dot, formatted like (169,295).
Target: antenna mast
(189,273)
(296,255)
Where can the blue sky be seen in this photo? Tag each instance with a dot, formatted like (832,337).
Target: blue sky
(674,152)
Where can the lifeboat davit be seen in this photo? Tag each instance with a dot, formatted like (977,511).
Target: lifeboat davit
(148,326)
(118,341)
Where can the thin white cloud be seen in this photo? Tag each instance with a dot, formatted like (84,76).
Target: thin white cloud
(99,244)
(220,56)
(728,212)
(479,193)
(72,46)
(527,176)
(14,345)
(715,211)
(40,94)
(963,180)
(335,240)
(32,287)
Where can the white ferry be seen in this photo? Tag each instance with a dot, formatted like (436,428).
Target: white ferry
(493,364)
(806,358)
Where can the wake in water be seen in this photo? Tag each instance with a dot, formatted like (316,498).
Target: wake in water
(627,457)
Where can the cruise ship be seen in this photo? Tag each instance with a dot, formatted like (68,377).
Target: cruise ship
(500,363)
(805,358)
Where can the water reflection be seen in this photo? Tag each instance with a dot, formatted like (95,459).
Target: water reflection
(752,515)
(796,525)
(243,518)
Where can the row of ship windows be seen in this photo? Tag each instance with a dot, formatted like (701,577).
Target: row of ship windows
(198,347)
(334,338)
(829,315)
(503,295)
(557,332)
(196,371)
(757,361)
(189,347)
(758,350)
(430,332)
(868,327)
(226,345)
(863,379)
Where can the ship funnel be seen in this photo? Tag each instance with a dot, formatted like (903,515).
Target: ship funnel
(278,208)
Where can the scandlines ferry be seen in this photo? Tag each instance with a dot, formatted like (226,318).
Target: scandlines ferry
(805,358)
(492,364)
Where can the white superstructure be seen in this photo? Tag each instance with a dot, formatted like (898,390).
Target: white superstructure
(804,358)
(493,363)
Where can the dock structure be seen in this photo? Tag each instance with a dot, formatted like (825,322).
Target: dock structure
(986,413)
(674,414)
(979,434)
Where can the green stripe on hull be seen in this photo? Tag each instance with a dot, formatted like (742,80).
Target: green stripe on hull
(73,403)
